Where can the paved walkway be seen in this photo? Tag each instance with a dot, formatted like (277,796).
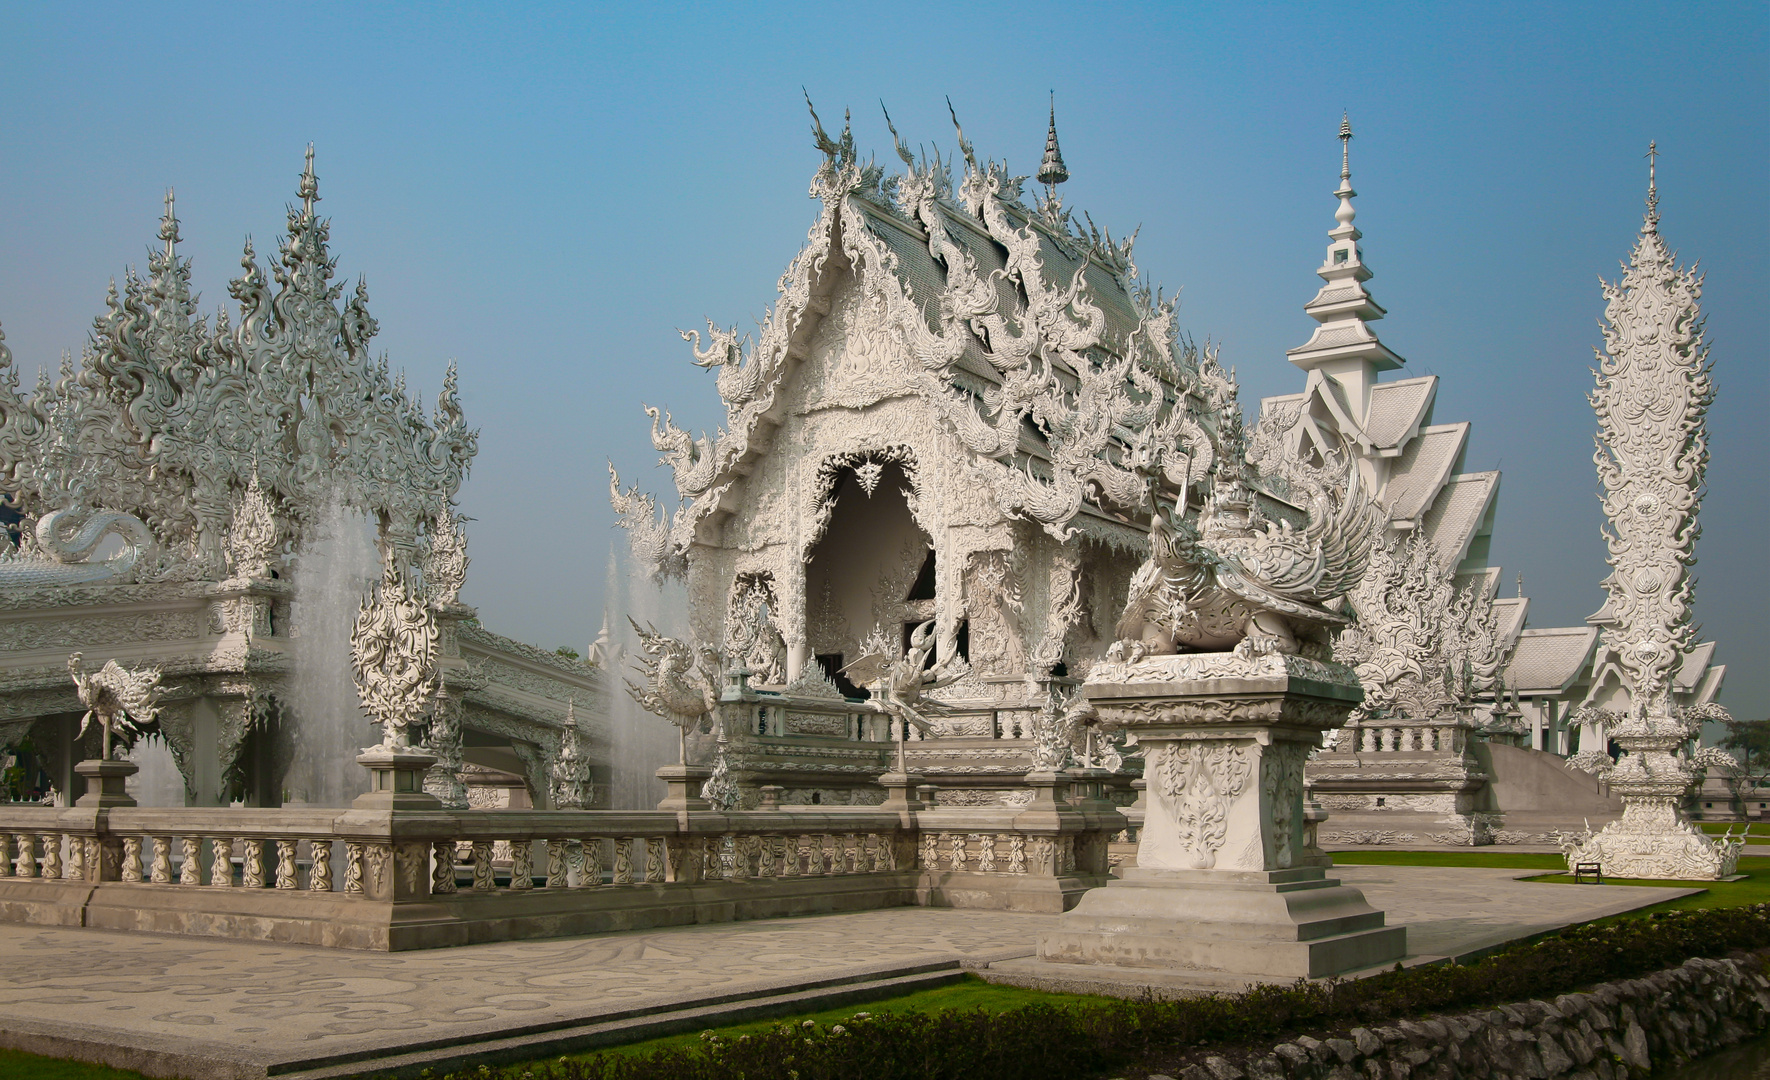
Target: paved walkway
(210,1007)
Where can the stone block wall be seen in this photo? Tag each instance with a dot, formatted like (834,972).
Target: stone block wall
(1615,1031)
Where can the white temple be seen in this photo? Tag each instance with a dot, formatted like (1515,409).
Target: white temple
(1455,682)
(212,499)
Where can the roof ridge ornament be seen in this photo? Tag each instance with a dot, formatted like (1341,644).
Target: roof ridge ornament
(1052,170)
(1652,156)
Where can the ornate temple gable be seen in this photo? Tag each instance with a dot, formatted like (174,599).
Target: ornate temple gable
(1029,341)
(168,418)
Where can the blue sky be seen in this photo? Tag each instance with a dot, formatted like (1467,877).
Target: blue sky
(547,193)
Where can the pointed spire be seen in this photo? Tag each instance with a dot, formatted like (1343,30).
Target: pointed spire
(1652,187)
(1343,307)
(309,191)
(169,226)
(1052,171)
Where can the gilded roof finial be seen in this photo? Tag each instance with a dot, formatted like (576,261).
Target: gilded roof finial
(1652,186)
(1052,171)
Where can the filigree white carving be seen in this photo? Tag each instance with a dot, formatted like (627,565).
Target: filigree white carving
(167,415)
(570,772)
(1238,582)
(393,656)
(1652,393)
(1202,779)
(681,683)
(252,534)
(121,700)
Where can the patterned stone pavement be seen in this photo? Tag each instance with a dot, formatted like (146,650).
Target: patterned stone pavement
(256,1004)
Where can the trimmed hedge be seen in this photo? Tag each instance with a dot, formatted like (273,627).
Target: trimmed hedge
(1043,1040)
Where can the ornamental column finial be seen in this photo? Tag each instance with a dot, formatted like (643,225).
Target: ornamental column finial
(1652,187)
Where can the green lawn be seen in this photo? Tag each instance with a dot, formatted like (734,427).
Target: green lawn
(16,1065)
(1757,830)
(970,992)
(1755,889)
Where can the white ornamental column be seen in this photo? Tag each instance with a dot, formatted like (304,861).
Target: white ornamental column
(1653,390)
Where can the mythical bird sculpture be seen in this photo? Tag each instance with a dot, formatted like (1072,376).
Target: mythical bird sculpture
(681,682)
(1238,582)
(898,683)
(123,701)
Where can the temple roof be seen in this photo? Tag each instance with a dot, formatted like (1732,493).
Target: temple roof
(1423,469)
(1460,511)
(1548,662)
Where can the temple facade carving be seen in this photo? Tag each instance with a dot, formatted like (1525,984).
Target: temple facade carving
(163,500)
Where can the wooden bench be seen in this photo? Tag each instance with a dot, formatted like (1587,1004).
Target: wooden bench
(1592,870)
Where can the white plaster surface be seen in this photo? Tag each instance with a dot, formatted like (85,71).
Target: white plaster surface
(262,1003)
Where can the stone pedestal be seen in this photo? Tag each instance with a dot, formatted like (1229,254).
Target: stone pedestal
(1652,839)
(1221,886)
(398,782)
(684,787)
(901,791)
(105,782)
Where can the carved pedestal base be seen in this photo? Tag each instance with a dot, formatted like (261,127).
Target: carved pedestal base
(901,791)
(1222,884)
(1651,840)
(105,782)
(1281,924)
(398,780)
(683,787)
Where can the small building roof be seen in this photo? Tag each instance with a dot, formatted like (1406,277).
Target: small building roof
(1549,661)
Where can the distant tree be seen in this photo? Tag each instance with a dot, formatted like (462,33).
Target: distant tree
(566,651)
(1749,743)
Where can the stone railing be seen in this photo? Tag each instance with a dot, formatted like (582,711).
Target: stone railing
(1375,737)
(379,879)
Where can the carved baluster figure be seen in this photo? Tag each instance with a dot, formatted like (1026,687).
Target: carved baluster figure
(482,866)
(52,856)
(442,873)
(286,875)
(160,873)
(522,865)
(623,862)
(814,855)
(131,871)
(353,868)
(190,868)
(221,862)
(5,854)
(589,862)
(955,859)
(986,853)
(27,855)
(556,872)
(252,865)
(1017,853)
(319,870)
